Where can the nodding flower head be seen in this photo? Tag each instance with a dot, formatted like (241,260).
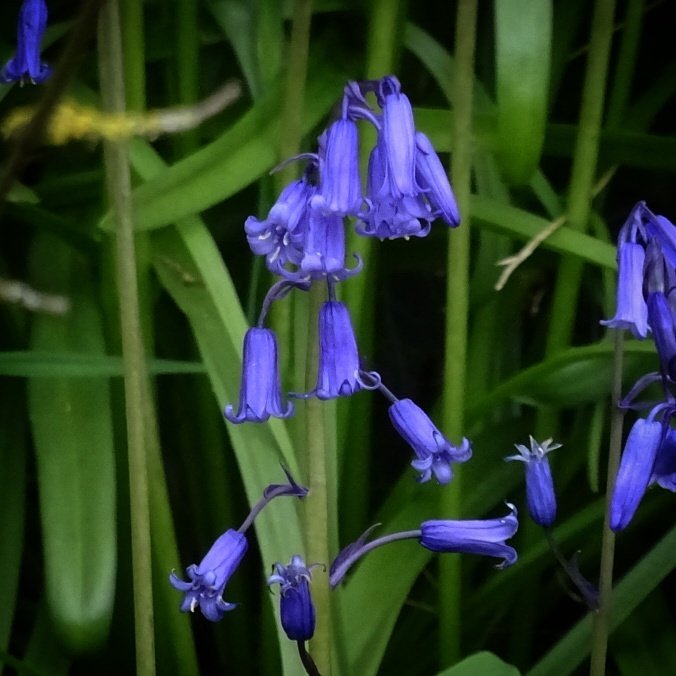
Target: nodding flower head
(435,454)
(26,65)
(208,579)
(296,609)
(260,392)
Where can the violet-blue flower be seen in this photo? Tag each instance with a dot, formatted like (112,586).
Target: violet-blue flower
(434,452)
(26,65)
(260,392)
(281,235)
(662,322)
(339,183)
(631,310)
(339,373)
(432,179)
(486,537)
(636,469)
(208,579)
(664,469)
(540,494)
(482,536)
(296,609)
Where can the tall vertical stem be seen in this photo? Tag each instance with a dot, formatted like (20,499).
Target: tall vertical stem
(601,620)
(317,502)
(135,369)
(457,305)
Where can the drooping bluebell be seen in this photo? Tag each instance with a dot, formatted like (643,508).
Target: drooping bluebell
(260,391)
(26,64)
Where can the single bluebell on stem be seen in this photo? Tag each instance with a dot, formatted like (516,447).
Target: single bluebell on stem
(636,469)
(435,454)
(483,536)
(486,537)
(296,609)
(389,216)
(631,310)
(664,469)
(207,579)
(260,392)
(540,495)
(661,319)
(26,65)
(280,237)
(338,373)
(398,136)
(339,190)
(433,181)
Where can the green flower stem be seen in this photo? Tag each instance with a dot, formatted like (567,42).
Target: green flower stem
(457,304)
(601,620)
(133,48)
(187,65)
(382,47)
(135,368)
(317,525)
(564,304)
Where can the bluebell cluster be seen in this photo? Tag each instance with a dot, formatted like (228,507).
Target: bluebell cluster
(303,242)
(646,306)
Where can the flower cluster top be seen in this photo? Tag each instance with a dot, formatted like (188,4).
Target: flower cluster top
(303,237)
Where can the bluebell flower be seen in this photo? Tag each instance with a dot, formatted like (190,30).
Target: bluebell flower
(661,321)
(631,310)
(388,216)
(540,494)
(296,609)
(664,469)
(338,372)
(26,65)
(432,179)
(636,469)
(339,190)
(260,393)
(208,579)
(434,452)
(281,235)
(398,137)
(484,536)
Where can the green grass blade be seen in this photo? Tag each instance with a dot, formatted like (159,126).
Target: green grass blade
(523,34)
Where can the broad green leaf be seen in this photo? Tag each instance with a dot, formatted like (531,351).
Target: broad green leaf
(72,428)
(37,363)
(238,157)
(484,663)
(523,34)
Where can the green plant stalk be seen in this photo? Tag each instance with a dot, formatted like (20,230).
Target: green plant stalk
(133,48)
(290,137)
(457,306)
(135,368)
(583,173)
(354,429)
(317,506)
(187,66)
(601,620)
